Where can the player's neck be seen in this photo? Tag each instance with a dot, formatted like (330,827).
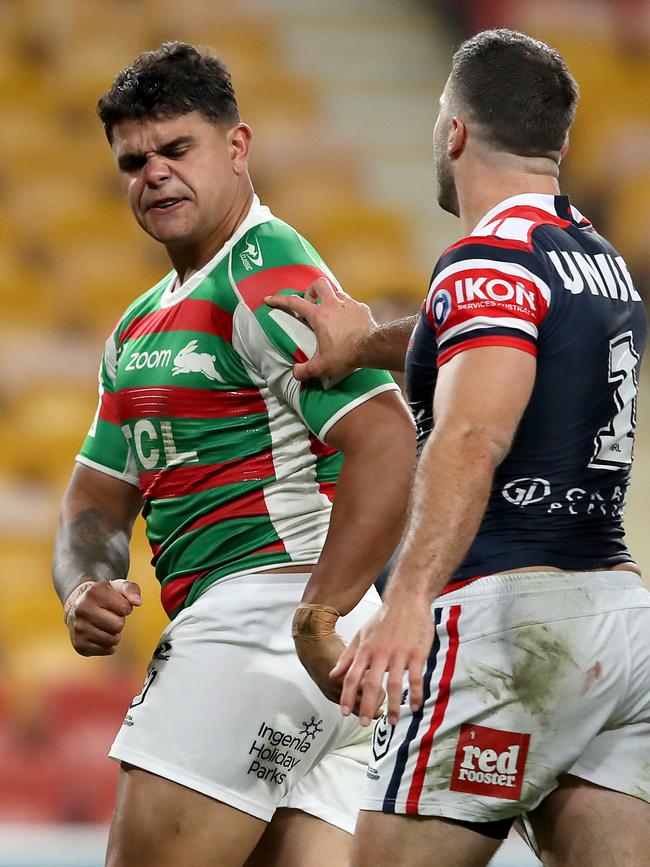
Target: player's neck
(187,260)
(481,190)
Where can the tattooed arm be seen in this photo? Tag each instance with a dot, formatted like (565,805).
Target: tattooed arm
(91,559)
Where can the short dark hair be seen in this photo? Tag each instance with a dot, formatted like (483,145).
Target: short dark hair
(518,89)
(175,79)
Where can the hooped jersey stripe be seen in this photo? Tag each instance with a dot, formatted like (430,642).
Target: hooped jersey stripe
(250,505)
(442,700)
(181,402)
(186,480)
(108,408)
(174,591)
(194,314)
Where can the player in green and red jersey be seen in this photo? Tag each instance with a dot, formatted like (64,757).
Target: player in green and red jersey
(234,464)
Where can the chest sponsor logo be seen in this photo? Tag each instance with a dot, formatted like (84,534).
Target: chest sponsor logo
(153,442)
(253,254)
(150,360)
(524,492)
(381,738)
(490,762)
(188,360)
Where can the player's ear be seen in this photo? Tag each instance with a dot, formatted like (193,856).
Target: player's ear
(456,138)
(239,140)
(565,148)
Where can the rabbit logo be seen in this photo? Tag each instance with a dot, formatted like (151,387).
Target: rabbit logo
(187,360)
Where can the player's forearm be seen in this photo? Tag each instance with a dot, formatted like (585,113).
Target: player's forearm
(451,491)
(367,518)
(384,347)
(87,547)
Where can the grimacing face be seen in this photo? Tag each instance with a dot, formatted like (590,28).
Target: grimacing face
(180,175)
(445,185)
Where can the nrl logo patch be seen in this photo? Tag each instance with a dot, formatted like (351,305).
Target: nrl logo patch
(381,738)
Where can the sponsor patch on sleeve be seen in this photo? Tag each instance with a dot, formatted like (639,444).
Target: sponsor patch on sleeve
(480,302)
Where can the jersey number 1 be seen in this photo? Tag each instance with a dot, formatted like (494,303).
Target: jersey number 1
(614,443)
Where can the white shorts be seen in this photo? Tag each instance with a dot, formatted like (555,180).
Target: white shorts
(228,710)
(531,675)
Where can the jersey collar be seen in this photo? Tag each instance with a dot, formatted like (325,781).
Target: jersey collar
(556,206)
(257,214)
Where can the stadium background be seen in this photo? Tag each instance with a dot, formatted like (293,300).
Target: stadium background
(341,96)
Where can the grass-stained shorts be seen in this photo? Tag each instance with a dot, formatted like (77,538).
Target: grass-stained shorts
(531,675)
(228,710)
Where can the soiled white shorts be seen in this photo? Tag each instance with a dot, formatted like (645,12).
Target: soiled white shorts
(531,675)
(228,710)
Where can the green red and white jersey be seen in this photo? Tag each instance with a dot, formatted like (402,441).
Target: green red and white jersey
(199,408)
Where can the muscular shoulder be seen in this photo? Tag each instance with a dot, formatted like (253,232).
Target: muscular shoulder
(273,258)
(493,293)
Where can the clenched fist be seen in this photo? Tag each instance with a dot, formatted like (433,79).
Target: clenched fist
(95,614)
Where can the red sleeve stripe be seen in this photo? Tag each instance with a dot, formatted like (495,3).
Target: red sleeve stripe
(255,288)
(488,319)
(169,401)
(192,479)
(192,315)
(497,340)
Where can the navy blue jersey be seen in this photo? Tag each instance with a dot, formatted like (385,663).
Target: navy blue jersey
(536,276)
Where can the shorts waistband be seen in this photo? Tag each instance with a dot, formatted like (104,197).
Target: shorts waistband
(507,583)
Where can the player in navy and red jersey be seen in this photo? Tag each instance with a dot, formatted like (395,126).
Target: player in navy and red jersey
(534,275)
(513,588)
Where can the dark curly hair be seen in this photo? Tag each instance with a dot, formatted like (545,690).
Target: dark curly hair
(518,89)
(175,79)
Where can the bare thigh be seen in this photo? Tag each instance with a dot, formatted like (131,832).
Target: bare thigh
(158,823)
(386,840)
(583,825)
(296,839)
